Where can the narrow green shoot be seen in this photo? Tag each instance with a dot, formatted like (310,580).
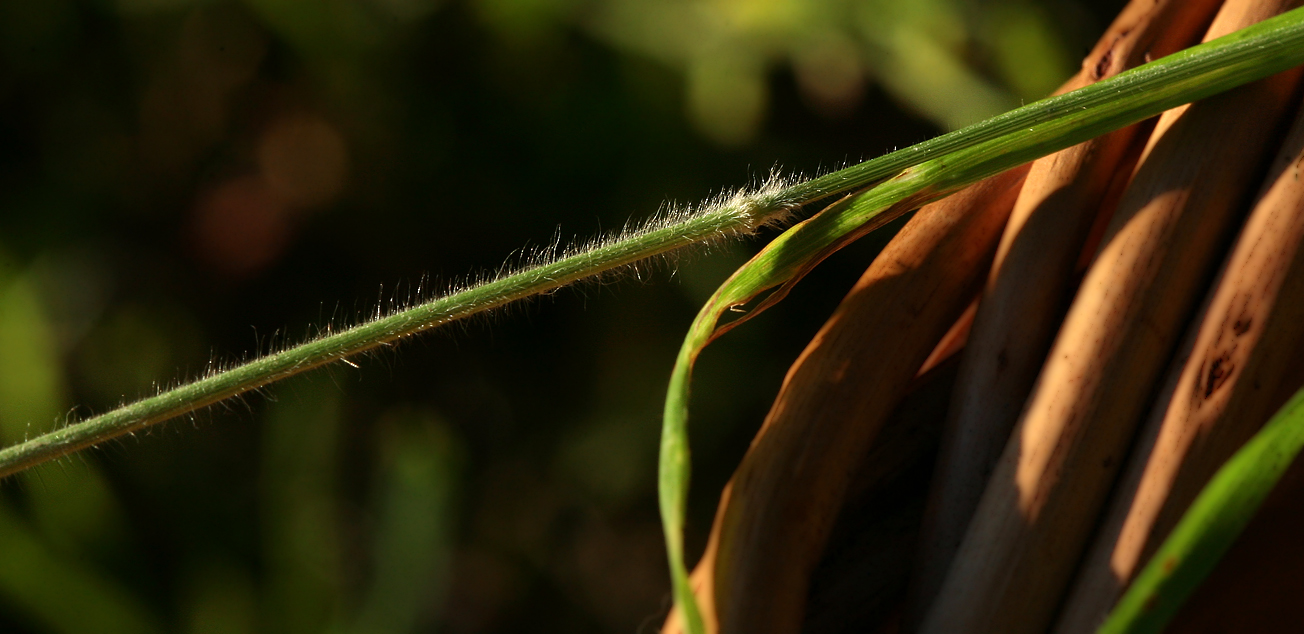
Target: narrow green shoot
(1211,525)
(735,214)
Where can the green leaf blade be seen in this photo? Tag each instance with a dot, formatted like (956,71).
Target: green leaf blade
(1211,525)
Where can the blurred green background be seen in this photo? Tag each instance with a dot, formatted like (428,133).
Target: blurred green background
(186,182)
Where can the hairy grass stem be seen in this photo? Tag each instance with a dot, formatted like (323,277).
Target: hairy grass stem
(1269,47)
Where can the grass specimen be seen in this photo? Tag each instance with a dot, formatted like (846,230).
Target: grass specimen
(902,180)
(921,172)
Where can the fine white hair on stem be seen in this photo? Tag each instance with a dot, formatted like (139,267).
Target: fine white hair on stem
(729,214)
(539,271)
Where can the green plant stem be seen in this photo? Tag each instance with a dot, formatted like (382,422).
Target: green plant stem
(742,215)
(1269,47)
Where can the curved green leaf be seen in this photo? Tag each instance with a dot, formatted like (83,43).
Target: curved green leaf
(1211,525)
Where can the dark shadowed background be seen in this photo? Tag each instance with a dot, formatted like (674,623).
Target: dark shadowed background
(187,182)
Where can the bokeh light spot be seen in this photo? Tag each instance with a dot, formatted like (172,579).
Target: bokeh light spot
(304,159)
(241,226)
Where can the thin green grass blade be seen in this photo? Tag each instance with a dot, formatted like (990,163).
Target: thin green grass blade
(1211,525)
(1263,49)
(950,162)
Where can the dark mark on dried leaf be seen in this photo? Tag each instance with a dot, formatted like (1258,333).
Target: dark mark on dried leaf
(1219,371)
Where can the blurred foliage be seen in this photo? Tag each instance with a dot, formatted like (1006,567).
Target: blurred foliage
(186,182)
